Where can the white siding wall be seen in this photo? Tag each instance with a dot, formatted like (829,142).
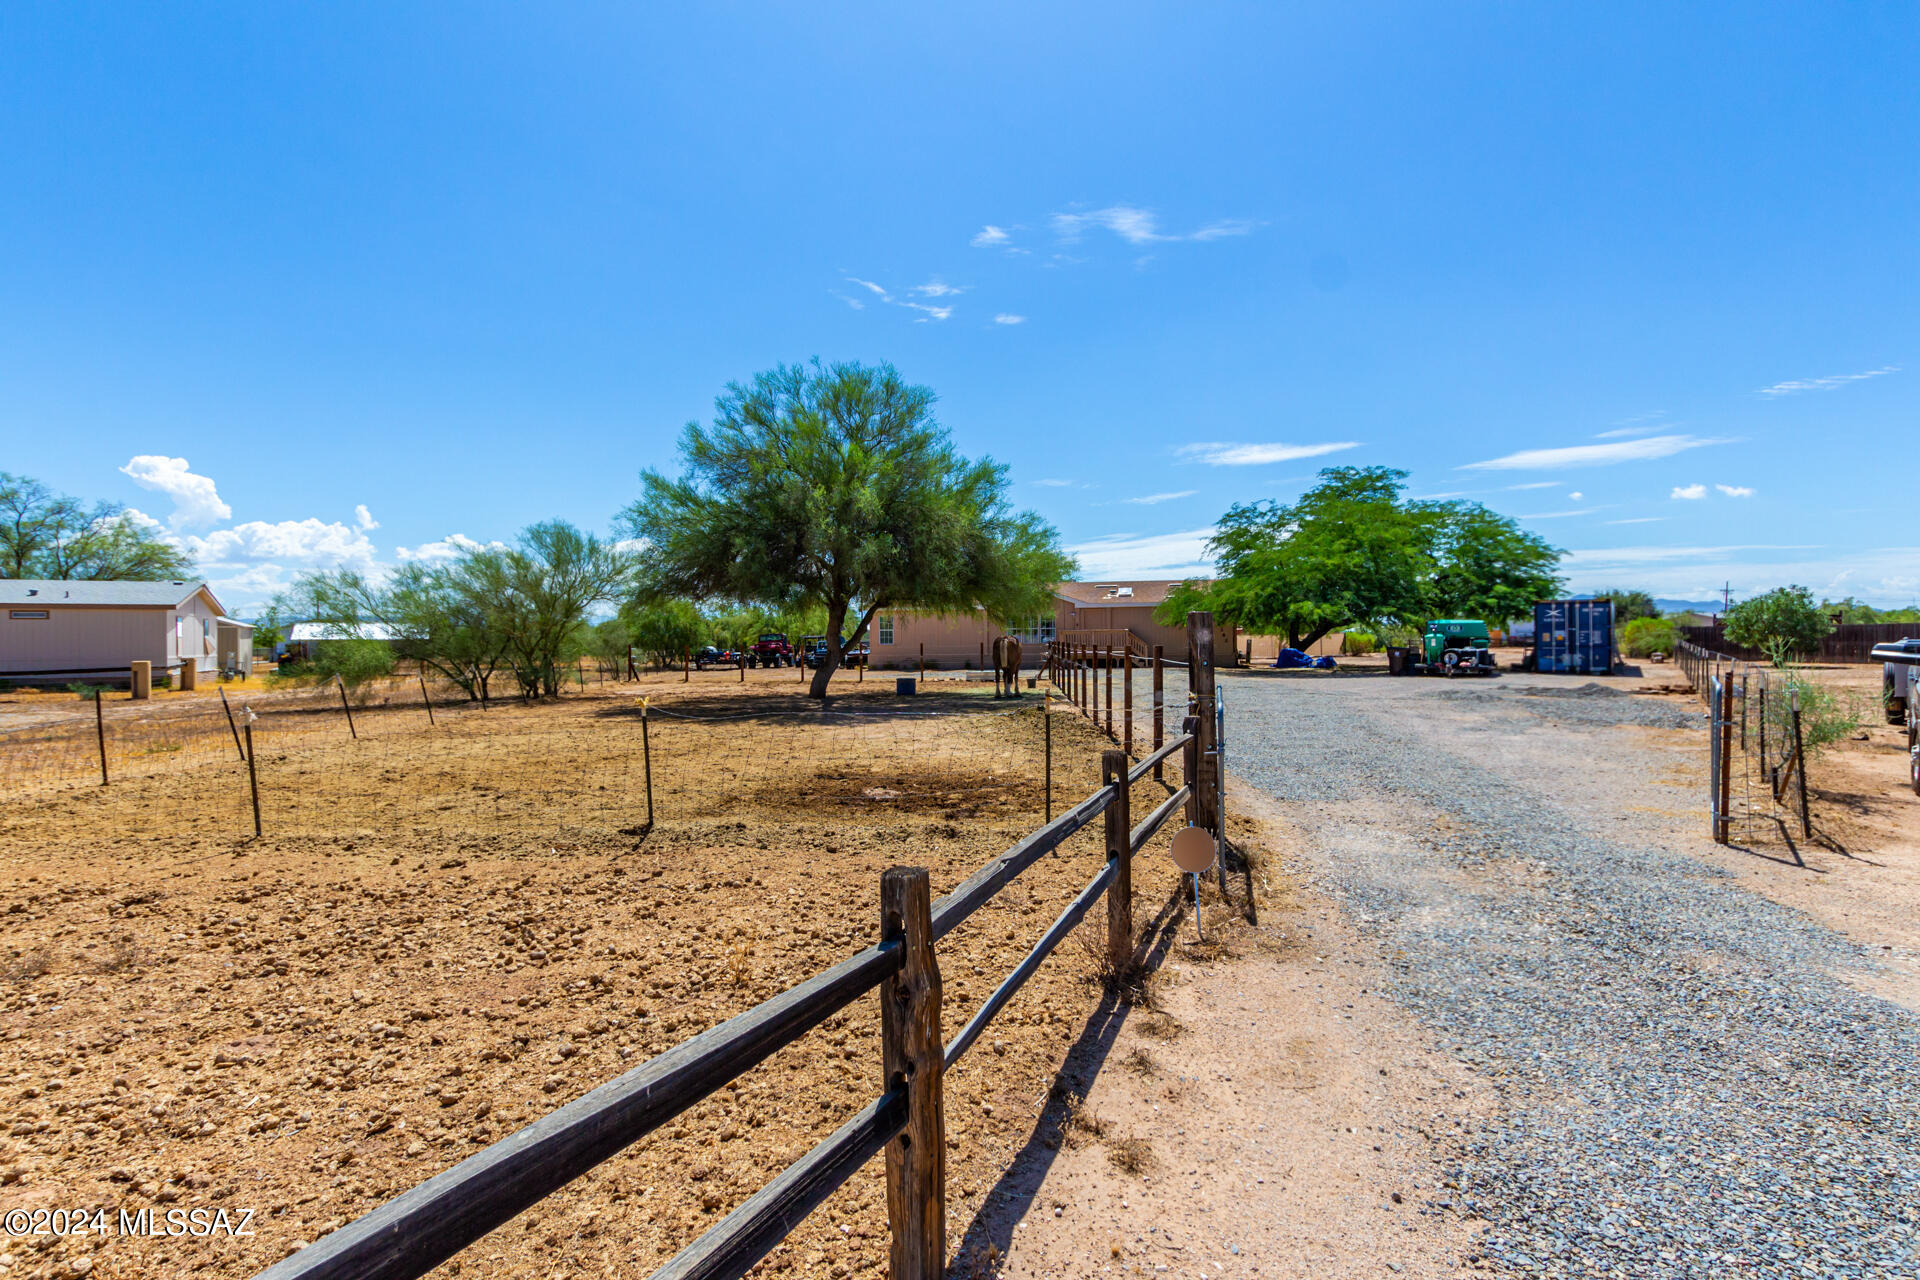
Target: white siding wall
(75,638)
(191,635)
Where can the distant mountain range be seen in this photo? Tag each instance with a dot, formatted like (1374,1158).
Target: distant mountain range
(1690,606)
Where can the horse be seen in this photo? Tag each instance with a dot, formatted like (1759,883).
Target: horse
(1006,667)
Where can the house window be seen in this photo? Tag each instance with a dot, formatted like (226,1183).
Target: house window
(883,630)
(28,615)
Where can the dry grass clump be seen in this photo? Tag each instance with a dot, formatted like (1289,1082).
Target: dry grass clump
(1159,1025)
(1140,1062)
(1082,1124)
(1131,1155)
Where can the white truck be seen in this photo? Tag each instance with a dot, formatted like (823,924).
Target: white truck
(1900,687)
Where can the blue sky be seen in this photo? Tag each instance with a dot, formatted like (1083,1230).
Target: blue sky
(348,283)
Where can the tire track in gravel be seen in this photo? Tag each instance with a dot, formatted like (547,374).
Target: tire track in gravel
(1686,1088)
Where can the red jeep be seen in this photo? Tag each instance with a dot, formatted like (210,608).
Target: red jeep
(771,650)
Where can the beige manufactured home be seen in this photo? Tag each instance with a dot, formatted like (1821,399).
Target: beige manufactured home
(54,630)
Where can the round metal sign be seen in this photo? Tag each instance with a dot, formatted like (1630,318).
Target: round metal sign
(1192,849)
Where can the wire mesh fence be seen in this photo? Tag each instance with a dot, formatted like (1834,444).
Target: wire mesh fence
(1757,776)
(410,756)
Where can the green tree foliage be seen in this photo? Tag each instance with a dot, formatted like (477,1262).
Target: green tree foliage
(1645,636)
(1852,611)
(44,534)
(1352,551)
(521,608)
(1782,623)
(1630,605)
(833,487)
(352,661)
(665,630)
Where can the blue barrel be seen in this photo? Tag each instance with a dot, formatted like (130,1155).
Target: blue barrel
(1573,637)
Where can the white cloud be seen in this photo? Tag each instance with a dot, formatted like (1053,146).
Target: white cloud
(1735,490)
(1007,317)
(195,501)
(1562,515)
(1141,226)
(1627,433)
(855,303)
(937,288)
(311,542)
(932,312)
(1536,484)
(1689,492)
(1217,454)
(990,237)
(364,517)
(1639,520)
(1163,555)
(871,287)
(929,312)
(451,547)
(1055,484)
(1798,385)
(1881,575)
(1575,497)
(1592,455)
(1153,499)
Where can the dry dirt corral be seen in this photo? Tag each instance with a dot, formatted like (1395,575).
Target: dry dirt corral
(305,1025)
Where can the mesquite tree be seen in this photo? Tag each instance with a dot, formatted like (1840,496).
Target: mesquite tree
(833,486)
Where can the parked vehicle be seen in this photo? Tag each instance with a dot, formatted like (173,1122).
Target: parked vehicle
(1897,679)
(813,650)
(713,657)
(1901,683)
(771,650)
(1450,647)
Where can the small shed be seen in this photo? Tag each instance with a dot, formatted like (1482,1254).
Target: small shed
(233,642)
(305,638)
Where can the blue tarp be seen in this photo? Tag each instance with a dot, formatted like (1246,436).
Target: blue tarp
(1294,658)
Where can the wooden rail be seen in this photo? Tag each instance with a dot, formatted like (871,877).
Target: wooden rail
(415,1232)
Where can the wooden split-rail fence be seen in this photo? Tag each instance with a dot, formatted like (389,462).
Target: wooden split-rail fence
(417,1230)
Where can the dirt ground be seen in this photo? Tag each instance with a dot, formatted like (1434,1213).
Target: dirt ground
(305,1025)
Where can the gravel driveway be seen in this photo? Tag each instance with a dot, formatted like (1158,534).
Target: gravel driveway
(1688,1085)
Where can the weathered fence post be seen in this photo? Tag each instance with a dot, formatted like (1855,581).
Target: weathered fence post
(345,706)
(686,665)
(1106,664)
(1046,712)
(1159,706)
(1718,744)
(630,672)
(912,1057)
(1113,773)
(231,727)
(1800,755)
(253,777)
(920,673)
(1200,696)
(1126,699)
(983,655)
(426,698)
(646,758)
(741,658)
(100,732)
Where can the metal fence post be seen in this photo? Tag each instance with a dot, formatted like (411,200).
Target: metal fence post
(1159,705)
(1113,773)
(344,706)
(253,777)
(646,757)
(1200,685)
(1800,755)
(426,698)
(100,731)
(912,1057)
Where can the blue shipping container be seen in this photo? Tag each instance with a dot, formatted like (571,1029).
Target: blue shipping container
(1574,637)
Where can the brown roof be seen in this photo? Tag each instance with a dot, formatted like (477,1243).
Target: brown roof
(1115,592)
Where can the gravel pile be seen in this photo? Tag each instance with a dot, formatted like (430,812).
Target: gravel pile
(1589,704)
(1687,1088)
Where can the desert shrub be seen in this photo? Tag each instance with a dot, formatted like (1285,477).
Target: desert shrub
(1355,643)
(1645,636)
(1827,715)
(87,692)
(355,662)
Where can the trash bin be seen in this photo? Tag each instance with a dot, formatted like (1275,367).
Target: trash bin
(904,686)
(1397,659)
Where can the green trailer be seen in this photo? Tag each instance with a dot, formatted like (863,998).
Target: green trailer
(1454,647)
